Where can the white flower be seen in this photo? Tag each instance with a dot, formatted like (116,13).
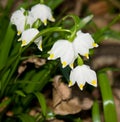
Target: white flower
(18,18)
(30,20)
(42,12)
(68,51)
(38,42)
(28,35)
(83,42)
(21,21)
(63,49)
(81,75)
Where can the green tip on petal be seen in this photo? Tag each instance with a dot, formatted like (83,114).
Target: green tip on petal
(24,43)
(18,33)
(86,55)
(51,56)
(95,45)
(52,19)
(40,47)
(19,39)
(64,64)
(71,66)
(94,82)
(70,84)
(81,86)
(45,22)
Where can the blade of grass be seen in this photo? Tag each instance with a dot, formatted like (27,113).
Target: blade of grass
(108,102)
(26,118)
(4,19)
(42,102)
(6,46)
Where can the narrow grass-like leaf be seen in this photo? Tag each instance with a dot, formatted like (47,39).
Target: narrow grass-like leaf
(19,92)
(108,102)
(54,3)
(6,46)
(112,34)
(26,118)
(4,19)
(95,112)
(4,82)
(38,80)
(7,79)
(42,102)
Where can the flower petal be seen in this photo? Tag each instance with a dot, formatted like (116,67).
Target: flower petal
(42,12)
(63,49)
(82,74)
(28,35)
(82,43)
(38,42)
(18,18)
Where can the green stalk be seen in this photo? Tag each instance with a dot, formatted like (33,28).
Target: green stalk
(108,102)
(95,112)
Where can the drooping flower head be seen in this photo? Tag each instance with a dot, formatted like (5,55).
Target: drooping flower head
(83,42)
(28,35)
(21,20)
(18,18)
(63,49)
(38,42)
(42,12)
(81,75)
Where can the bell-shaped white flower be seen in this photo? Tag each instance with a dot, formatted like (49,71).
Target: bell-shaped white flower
(42,12)
(18,18)
(28,35)
(63,49)
(38,42)
(30,20)
(83,42)
(81,75)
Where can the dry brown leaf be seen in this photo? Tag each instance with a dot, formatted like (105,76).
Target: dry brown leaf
(35,60)
(69,100)
(71,106)
(60,91)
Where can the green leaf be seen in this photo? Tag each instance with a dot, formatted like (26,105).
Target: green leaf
(4,19)
(112,34)
(38,80)
(54,3)
(95,112)
(4,82)
(108,102)
(85,21)
(6,46)
(21,93)
(106,32)
(26,118)
(77,120)
(42,102)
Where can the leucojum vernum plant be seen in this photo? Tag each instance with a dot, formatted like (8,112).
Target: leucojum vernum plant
(62,47)
(68,50)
